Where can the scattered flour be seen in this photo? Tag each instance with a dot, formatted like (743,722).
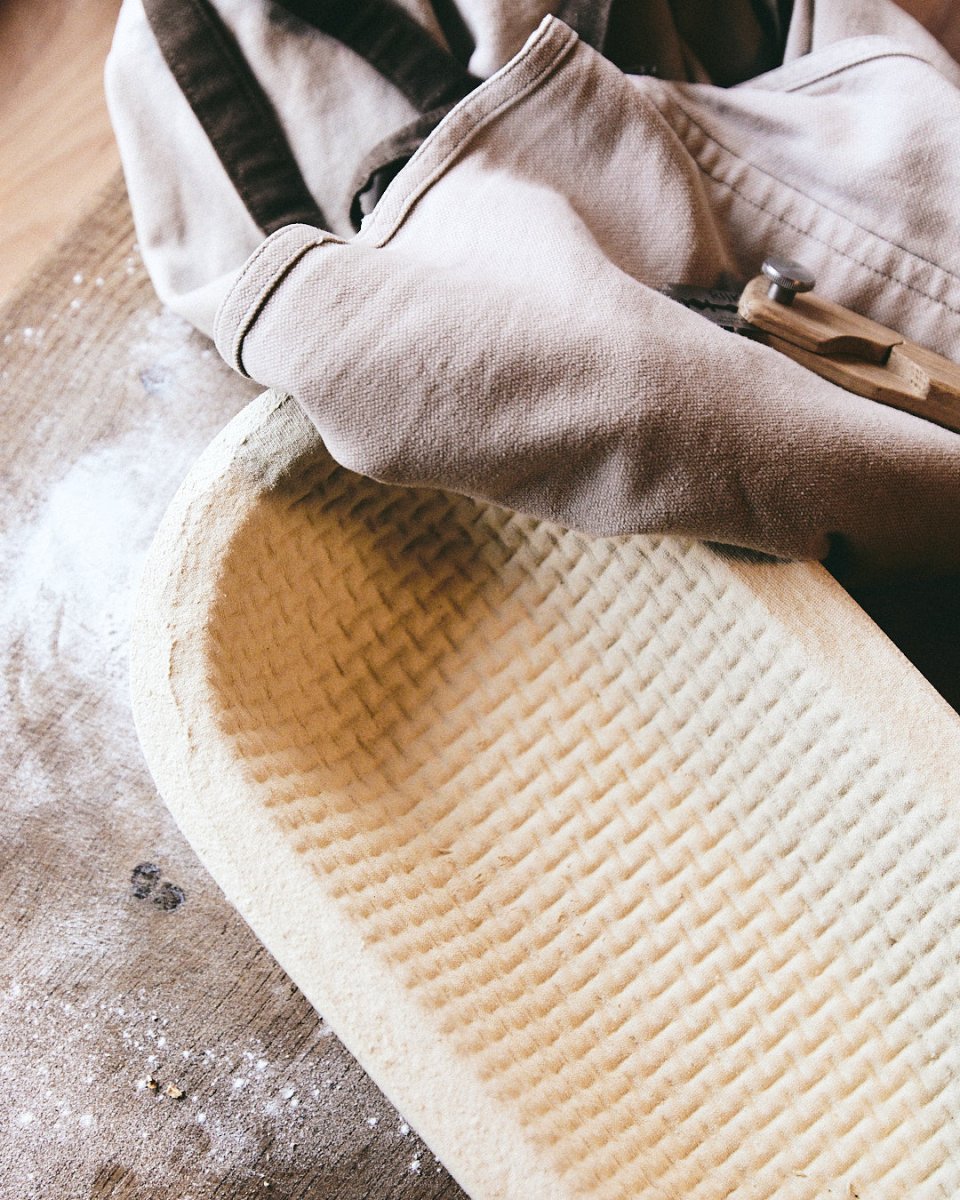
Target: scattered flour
(76,1064)
(104,1064)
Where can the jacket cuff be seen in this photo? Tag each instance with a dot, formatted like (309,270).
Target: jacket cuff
(262,273)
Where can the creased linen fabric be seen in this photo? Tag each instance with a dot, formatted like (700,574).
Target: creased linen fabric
(494,328)
(334,109)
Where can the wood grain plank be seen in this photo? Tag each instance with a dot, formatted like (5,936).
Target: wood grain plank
(56,145)
(105,981)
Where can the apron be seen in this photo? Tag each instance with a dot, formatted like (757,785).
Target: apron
(496,327)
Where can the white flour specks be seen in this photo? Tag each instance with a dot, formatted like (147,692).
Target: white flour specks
(68,596)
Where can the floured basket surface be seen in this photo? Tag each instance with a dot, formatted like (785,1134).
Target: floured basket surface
(625,869)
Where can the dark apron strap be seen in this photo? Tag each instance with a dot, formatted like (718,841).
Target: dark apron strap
(455,29)
(774,18)
(387,158)
(395,44)
(587,18)
(385,34)
(234,112)
(243,127)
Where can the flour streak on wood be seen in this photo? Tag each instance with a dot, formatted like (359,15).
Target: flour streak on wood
(120,961)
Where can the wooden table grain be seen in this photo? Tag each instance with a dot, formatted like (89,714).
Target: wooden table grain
(121,965)
(56,146)
(149,1046)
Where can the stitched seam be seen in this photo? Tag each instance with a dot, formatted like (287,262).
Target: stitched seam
(480,121)
(798,87)
(819,204)
(248,267)
(251,309)
(843,254)
(256,306)
(769,82)
(402,144)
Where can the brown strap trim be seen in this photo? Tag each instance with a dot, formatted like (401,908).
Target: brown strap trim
(774,19)
(455,29)
(234,111)
(241,123)
(395,44)
(386,159)
(587,18)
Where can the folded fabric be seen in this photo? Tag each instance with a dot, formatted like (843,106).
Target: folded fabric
(495,329)
(333,109)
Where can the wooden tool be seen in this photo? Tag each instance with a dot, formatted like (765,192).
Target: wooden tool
(846,348)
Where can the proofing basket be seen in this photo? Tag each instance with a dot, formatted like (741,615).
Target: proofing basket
(626,869)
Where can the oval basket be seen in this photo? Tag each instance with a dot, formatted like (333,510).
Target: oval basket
(625,869)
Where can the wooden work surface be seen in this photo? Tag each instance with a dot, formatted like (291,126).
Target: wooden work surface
(119,959)
(56,146)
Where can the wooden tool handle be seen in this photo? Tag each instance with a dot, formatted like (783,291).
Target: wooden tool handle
(909,392)
(815,324)
(926,372)
(858,354)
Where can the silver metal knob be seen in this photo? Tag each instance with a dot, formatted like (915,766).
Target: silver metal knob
(787,278)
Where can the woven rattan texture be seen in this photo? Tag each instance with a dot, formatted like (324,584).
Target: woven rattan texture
(631,849)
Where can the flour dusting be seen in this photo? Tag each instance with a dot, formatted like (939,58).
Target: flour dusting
(145,1038)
